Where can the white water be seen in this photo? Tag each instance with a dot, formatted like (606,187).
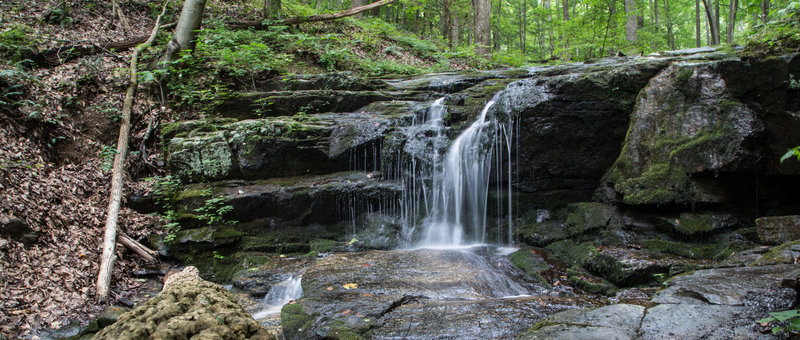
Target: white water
(446,189)
(460,189)
(279,295)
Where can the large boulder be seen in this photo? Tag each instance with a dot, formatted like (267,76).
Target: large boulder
(188,307)
(778,229)
(213,150)
(685,122)
(572,120)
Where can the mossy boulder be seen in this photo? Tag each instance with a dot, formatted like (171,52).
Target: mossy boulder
(778,229)
(787,253)
(188,307)
(296,323)
(531,262)
(685,123)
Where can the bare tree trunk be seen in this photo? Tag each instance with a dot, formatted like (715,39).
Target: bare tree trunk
(455,32)
(482,9)
(670,34)
(496,30)
(631,23)
(712,25)
(655,14)
(698,38)
(186,31)
(765,11)
(733,6)
(718,38)
(524,23)
(110,238)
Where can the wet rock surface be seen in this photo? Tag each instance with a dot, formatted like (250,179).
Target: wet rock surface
(392,294)
(707,304)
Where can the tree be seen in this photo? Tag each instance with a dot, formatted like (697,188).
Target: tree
(631,24)
(732,8)
(117,172)
(698,38)
(187,28)
(482,10)
(712,23)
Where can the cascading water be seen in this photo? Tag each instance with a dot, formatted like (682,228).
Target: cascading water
(279,295)
(451,192)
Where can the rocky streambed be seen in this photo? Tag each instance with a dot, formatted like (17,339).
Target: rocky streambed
(647,200)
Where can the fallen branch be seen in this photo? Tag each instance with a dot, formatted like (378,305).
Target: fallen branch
(312,18)
(147,254)
(109,241)
(58,55)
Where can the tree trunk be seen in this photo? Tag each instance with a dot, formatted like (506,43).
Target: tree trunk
(668,21)
(496,30)
(275,9)
(482,9)
(656,18)
(357,4)
(765,11)
(186,31)
(698,38)
(631,23)
(117,172)
(712,25)
(524,29)
(733,6)
(565,10)
(455,32)
(718,37)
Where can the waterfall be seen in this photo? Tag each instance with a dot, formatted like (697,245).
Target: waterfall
(460,188)
(279,295)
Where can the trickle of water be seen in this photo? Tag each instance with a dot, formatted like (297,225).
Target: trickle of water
(279,295)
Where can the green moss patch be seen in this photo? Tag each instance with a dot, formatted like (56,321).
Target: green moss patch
(531,264)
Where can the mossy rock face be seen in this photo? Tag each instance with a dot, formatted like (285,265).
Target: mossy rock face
(676,133)
(778,229)
(700,224)
(325,81)
(787,253)
(531,263)
(216,150)
(589,283)
(296,324)
(188,307)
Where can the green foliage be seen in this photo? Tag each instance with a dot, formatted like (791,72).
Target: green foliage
(107,154)
(15,81)
(795,151)
(784,321)
(214,210)
(17,42)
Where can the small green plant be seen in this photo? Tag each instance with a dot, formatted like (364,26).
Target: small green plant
(107,154)
(795,151)
(218,256)
(784,321)
(214,210)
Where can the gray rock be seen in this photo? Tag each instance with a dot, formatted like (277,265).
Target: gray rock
(619,321)
(778,229)
(728,286)
(685,122)
(419,293)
